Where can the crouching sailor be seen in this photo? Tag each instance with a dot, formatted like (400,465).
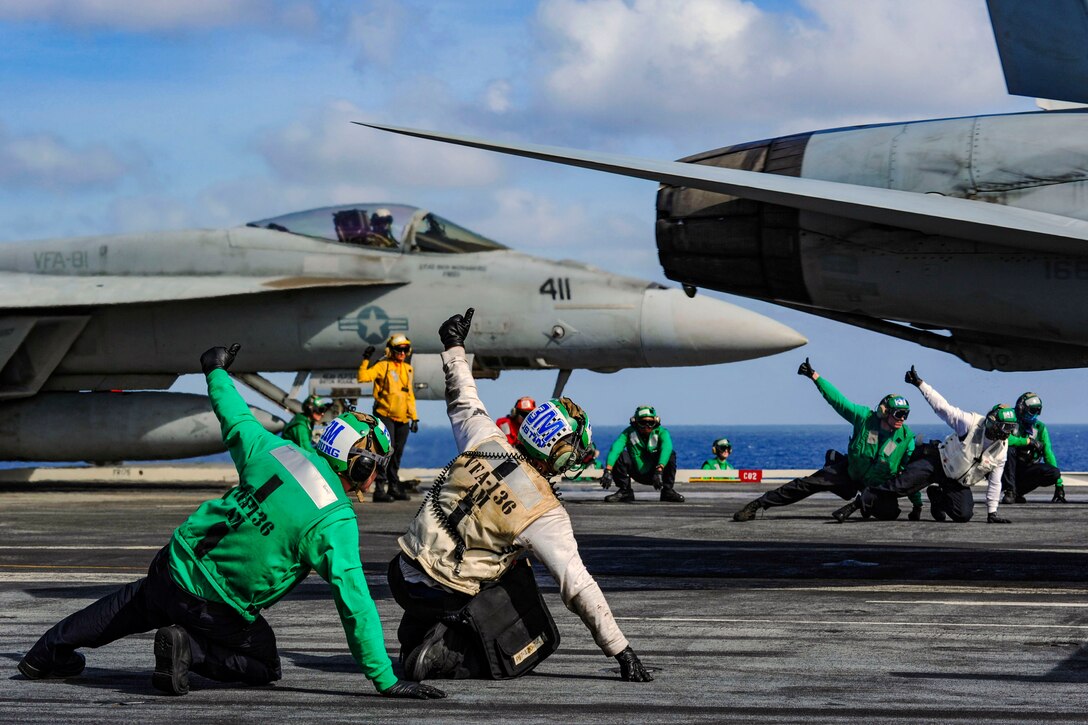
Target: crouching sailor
(242,552)
(472,608)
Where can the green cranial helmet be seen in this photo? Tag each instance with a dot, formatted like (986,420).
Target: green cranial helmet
(1029,406)
(721,445)
(354,444)
(893,402)
(1000,422)
(314,405)
(557,433)
(645,413)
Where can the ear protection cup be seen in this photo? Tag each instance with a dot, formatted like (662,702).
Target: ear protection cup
(565,451)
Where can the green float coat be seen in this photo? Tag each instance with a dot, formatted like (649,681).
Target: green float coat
(287,515)
(647,453)
(874,454)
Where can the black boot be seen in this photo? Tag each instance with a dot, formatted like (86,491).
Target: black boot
(380,493)
(842,514)
(172,660)
(71,667)
(622,495)
(670,495)
(397,492)
(915,514)
(936,504)
(749,511)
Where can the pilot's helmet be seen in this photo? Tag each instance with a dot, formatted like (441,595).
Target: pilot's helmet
(558,434)
(381,219)
(355,445)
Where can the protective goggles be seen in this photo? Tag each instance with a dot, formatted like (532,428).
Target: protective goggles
(646,423)
(1001,429)
(900,414)
(1034,410)
(402,348)
(363,463)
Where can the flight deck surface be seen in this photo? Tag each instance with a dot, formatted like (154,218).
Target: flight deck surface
(787,618)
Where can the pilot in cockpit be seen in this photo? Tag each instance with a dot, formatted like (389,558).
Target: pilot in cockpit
(381,229)
(354,227)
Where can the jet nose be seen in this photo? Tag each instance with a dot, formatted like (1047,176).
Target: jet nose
(678,330)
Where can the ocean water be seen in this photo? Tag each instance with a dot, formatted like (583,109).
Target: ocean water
(754,446)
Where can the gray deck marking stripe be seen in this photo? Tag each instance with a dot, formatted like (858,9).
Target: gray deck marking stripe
(965,603)
(312,482)
(87,547)
(841,623)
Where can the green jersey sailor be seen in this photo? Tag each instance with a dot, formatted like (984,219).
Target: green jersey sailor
(720,460)
(1031,463)
(241,553)
(642,453)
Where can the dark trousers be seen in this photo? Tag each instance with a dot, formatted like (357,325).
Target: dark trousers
(832,477)
(224,645)
(949,497)
(398,438)
(424,608)
(625,470)
(1023,475)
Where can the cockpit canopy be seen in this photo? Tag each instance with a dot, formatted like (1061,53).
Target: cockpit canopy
(382,226)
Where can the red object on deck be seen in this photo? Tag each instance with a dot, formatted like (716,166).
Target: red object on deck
(750,476)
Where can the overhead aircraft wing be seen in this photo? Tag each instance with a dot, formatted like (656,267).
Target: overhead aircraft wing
(20,290)
(1043,46)
(927,213)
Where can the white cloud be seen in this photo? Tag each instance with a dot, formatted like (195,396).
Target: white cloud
(159,15)
(659,65)
(46,161)
(327,149)
(497,96)
(376,32)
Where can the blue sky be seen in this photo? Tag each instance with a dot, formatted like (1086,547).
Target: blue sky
(122,117)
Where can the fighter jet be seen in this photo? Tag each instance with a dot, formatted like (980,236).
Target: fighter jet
(307,292)
(971,231)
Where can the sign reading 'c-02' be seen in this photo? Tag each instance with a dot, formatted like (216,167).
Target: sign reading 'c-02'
(373,324)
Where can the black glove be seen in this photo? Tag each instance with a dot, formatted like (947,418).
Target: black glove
(658,482)
(454,330)
(414,426)
(1034,449)
(995,519)
(368,352)
(606,479)
(631,669)
(218,357)
(1059,495)
(913,377)
(413,691)
(915,514)
(805,369)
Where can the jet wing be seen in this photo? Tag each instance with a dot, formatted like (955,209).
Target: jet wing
(927,213)
(1043,46)
(19,290)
